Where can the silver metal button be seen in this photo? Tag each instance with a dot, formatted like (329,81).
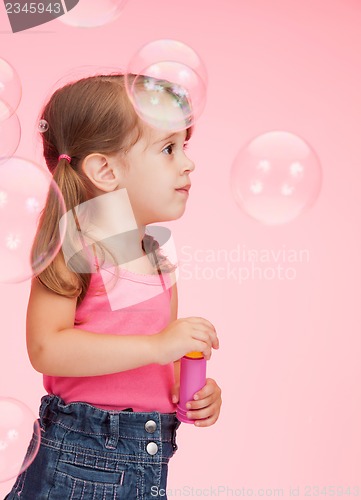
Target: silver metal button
(150,426)
(152,448)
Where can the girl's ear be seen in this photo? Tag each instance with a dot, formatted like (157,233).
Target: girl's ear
(102,171)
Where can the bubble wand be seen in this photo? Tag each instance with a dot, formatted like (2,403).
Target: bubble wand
(192,379)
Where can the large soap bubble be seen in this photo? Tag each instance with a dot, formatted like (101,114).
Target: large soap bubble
(18,428)
(93,13)
(10,90)
(10,133)
(24,188)
(167,83)
(275,177)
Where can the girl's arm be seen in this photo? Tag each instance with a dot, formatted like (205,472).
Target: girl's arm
(56,348)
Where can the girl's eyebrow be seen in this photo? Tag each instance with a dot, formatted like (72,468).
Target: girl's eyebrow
(167,138)
(149,144)
(163,139)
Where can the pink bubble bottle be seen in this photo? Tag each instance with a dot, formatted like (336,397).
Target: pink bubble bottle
(192,379)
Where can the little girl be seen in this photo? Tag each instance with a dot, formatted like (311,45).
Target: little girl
(110,354)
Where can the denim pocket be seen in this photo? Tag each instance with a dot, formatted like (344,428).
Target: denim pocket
(74,482)
(90,474)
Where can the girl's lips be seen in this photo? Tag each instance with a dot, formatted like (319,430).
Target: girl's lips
(184,189)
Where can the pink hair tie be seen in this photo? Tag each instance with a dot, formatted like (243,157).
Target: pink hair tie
(66,157)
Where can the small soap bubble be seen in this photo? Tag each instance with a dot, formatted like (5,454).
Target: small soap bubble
(43,126)
(21,206)
(167,83)
(10,90)
(275,177)
(93,13)
(19,438)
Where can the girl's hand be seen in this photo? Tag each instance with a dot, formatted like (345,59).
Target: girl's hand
(185,335)
(206,406)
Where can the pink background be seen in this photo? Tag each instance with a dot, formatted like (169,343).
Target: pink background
(289,363)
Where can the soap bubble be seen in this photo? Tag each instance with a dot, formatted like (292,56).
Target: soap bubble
(275,177)
(18,428)
(167,84)
(24,187)
(43,126)
(10,133)
(93,13)
(10,90)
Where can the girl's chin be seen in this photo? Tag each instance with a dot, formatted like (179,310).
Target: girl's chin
(177,214)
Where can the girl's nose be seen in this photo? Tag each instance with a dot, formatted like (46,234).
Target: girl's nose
(188,164)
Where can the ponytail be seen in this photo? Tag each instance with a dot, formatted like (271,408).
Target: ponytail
(75,189)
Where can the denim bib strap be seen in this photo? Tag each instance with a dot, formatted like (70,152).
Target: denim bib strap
(46,401)
(112,440)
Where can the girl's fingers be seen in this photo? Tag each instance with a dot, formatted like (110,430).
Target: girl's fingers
(208,328)
(210,412)
(207,421)
(202,346)
(208,389)
(206,336)
(205,322)
(200,334)
(215,343)
(203,403)
(175,393)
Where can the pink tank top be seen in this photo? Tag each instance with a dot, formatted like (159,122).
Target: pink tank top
(133,304)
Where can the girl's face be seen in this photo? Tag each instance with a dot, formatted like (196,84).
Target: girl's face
(157,177)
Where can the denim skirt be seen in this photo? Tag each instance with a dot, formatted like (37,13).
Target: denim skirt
(87,453)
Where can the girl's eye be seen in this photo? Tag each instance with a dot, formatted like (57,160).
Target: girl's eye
(168,150)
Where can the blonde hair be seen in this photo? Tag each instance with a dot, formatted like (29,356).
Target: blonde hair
(92,115)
